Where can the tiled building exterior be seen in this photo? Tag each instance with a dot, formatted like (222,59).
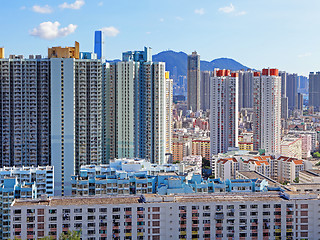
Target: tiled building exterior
(192,216)
(224,111)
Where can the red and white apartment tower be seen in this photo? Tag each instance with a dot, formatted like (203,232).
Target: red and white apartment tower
(267,111)
(223,111)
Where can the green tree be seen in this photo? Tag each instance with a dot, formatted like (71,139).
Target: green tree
(74,235)
(205,163)
(296,180)
(316,155)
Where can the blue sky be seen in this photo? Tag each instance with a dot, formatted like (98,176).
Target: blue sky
(257,33)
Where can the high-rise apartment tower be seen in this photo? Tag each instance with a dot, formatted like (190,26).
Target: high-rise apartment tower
(223,111)
(193,97)
(267,111)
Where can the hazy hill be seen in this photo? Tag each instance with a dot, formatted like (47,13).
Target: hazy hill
(179,60)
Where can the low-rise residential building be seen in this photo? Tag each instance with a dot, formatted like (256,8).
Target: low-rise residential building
(282,169)
(305,187)
(291,147)
(180,149)
(201,147)
(246,146)
(42,176)
(11,189)
(226,168)
(289,169)
(312,134)
(309,176)
(187,216)
(25,183)
(193,161)
(104,180)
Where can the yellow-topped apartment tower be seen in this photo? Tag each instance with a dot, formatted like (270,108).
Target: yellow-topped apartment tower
(67,52)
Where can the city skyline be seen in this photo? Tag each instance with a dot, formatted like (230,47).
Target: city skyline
(150,24)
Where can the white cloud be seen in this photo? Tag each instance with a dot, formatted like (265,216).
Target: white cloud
(76,5)
(100,4)
(179,18)
(44,9)
(199,11)
(161,20)
(307,54)
(148,33)
(241,13)
(23,8)
(51,30)
(227,9)
(110,31)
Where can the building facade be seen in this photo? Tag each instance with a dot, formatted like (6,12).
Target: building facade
(267,111)
(292,91)
(169,113)
(25,111)
(76,117)
(223,111)
(245,89)
(193,79)
(314,90)
(205,90)
(137,107)
(214,216)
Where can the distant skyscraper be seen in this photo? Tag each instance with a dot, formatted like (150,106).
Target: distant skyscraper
(292,91)
(300,101)
(169,117)
(283,76)
(223,111)
(284,98)
(205,90)
(137,107)
(267,111)
(193,97)
(25,111)
(314,90)
(98,44)
(284,107)
(245,89)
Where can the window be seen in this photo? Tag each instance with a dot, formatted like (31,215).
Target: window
(103,210)
(91,210)
(17,211)
(40,225)
(304,213)
(78,225)
(156,223)
(155,216)
(41,211)
(65,211)
(156,209)
(78,210)
(52,211)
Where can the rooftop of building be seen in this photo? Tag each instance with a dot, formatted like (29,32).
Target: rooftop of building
(153,198)
(257,175)
(312,172)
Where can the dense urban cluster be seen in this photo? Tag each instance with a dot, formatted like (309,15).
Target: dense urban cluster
(127,150)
